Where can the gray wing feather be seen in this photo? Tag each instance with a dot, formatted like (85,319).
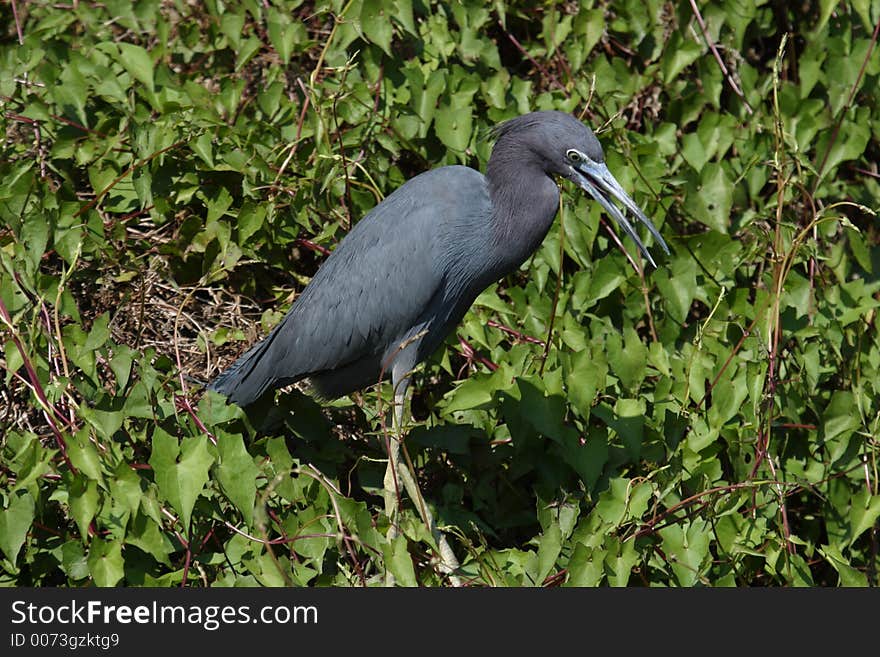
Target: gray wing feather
(373,288)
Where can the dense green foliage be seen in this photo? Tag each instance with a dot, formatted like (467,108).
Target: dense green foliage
(174,172)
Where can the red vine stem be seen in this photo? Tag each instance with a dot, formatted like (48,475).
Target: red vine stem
(36,386)
(717,55)
(852,92)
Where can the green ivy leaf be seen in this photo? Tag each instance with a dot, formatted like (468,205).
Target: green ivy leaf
(84,500)
(621,561)
(137,62)
(549,547)
(863,514)
(682,52)
(687,548)
(586,566)
(15,521)
(105,562)
(149,537)
(711,200)
(399,562)
(84,455)
(839,421)
(607,277)
(237,474)
(181,470)
(376,24)
(476,392)
(453,127)
(282,33)
(628,358)
(73,560)
(584,379)
(849,576)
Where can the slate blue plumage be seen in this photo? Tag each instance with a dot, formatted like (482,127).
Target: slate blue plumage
(418,260)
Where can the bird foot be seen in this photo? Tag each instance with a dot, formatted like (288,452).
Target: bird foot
(398,476)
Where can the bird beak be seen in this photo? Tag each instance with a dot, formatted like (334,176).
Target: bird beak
(595,179)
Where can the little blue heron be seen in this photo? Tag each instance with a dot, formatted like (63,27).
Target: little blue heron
(405,275)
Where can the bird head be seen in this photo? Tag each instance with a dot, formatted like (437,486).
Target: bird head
(568,148)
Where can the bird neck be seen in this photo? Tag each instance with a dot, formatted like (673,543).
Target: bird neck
(525,198)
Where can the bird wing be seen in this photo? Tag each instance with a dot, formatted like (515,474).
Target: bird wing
(371,290)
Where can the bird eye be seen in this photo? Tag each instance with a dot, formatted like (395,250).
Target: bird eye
(574,155)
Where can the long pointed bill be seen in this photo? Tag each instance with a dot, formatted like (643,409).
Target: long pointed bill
(595,179)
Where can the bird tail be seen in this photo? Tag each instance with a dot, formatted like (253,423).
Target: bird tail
(242,382)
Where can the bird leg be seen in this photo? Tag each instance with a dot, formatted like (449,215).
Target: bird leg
(398,473)
(392,481)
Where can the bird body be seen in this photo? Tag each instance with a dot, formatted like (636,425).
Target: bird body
(402,269)
(405,274)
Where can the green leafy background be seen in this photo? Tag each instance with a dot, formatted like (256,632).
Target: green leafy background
(173,173)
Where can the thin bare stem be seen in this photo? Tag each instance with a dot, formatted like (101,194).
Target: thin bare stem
(558,287)
(124,174)
(727,74)
(299,126)
(519,336)
(183,399)
(543,70)
(852,92)
(36,386)
(17,23)
(651,526)
(619,244)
